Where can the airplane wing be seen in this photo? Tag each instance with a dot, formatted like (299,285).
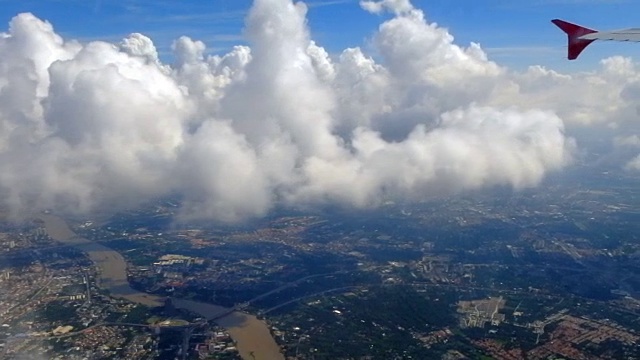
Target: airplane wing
(632,34)
(579,37)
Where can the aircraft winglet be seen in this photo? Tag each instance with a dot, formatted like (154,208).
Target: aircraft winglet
(574,33)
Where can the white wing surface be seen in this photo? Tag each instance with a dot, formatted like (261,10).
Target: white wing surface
(632,34)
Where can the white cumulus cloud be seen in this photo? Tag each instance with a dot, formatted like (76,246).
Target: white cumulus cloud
(281,122)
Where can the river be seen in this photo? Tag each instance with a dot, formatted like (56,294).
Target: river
(252,336)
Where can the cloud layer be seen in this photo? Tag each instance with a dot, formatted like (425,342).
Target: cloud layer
(99,125)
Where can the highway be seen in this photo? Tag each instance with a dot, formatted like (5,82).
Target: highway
(285,286)
(340,289)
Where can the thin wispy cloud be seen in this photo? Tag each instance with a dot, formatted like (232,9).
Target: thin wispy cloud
(320,3)
(524,50)
(211,17)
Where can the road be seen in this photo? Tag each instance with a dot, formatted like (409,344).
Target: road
(340,289)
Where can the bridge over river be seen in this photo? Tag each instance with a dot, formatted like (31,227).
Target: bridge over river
(254,341)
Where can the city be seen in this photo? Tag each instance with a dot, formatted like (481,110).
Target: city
(504,276)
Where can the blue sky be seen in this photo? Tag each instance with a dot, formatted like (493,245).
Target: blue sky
(514,33)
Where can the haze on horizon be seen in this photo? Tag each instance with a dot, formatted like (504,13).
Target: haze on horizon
(98,125)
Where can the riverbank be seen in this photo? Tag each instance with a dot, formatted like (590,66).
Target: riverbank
(254,341)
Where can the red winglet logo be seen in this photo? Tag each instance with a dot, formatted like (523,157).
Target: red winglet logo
(574,32)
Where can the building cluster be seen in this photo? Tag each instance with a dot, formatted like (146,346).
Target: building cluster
(178,261)
(434,337)
(217,342)
(572,334)
(479,313)
(498,351)
(141,347)
(105,341)
(22,281)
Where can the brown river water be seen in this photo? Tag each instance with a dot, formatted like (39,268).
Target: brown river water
(252,336)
